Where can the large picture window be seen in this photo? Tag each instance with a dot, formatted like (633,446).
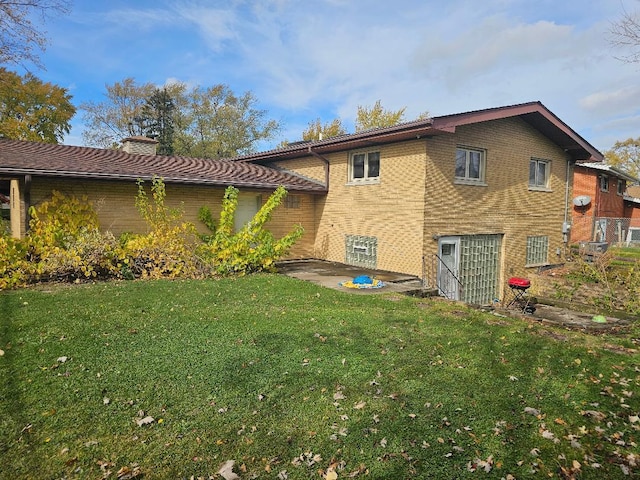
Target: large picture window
(364,167)
(539,173)
(470,165)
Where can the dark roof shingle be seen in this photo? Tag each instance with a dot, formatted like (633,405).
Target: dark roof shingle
(51,160)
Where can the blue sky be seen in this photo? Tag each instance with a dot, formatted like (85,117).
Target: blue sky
(308,59)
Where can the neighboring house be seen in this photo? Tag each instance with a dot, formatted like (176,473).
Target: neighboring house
(632,212)
(602,210)
(463,201)
(30,171)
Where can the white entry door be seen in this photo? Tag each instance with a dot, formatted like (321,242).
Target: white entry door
(449,267)
(248,206)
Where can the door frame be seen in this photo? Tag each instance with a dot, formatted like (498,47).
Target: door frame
(447,279)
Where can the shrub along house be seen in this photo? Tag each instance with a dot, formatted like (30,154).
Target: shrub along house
(463,201)
(30,171)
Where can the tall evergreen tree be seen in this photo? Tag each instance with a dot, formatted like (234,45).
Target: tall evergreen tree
(158,116)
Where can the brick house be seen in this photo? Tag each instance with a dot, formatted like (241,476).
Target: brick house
(464,201)
(602,210)
(632,212)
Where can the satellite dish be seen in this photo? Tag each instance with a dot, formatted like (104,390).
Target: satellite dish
(582,201)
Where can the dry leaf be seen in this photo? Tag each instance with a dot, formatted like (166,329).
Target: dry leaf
(226,470)
(145,421)
(360,405)
(331,475)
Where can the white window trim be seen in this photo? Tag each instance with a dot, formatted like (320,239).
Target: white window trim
(601,180)
(365,180)
(545,187)
(481,182)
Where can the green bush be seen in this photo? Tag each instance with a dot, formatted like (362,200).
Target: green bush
(65,243)
(169,248)
(253,248)
(13,263)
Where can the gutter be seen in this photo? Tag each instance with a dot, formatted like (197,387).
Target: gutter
(325,160)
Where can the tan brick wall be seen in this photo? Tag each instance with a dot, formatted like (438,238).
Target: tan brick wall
(505,205)
(115,205)
(391,210)
(308,167)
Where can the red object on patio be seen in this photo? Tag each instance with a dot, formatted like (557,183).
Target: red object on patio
(519,287)
(519,283)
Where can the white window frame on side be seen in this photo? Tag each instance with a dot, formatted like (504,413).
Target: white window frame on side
(536,185)
(466,179)
(366,177)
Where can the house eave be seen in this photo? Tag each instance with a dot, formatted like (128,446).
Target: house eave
(320,189)
(534,113)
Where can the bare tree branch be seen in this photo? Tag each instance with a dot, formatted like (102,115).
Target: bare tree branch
(626,34)
(21,40)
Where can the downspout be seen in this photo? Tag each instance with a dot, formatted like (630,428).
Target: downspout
(565,225)
(27,202)
(325,160)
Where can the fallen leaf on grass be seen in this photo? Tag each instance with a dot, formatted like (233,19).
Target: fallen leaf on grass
(532,411)
(126,473)
(360,405)
(226,470)
(331,475)
(598,416)
(549,436)
(62,359)
(145,421)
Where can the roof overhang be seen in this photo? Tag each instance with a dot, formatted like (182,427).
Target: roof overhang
(534,113)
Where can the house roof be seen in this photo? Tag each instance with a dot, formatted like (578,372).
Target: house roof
(534,113)
(633,194)
(64,161)
(603,167)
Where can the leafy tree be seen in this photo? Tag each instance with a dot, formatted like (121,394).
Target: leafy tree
(317,130)
(159,114)
(208,122)
(33,110)
(19,37)
(377,117)
(119,116)
(216,123)
(626,34)
(626,156)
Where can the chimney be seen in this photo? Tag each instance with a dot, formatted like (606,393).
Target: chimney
(139,145)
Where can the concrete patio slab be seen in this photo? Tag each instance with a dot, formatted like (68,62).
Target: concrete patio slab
(331,274)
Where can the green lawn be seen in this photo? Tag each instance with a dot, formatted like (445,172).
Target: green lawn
(171,379)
